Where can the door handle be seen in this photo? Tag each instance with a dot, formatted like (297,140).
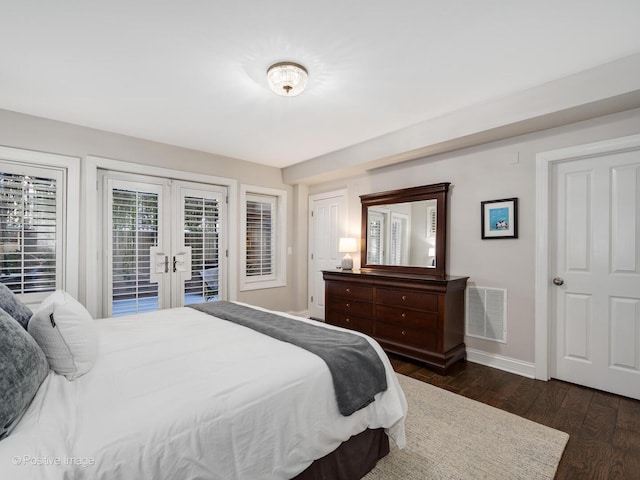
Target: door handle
(182,263)
(177,262)
(558,281)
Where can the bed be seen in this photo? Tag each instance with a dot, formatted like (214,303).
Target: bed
(182,394)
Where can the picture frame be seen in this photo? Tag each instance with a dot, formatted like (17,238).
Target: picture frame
(499,218)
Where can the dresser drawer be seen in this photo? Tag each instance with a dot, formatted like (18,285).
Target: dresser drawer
(361,324)
(351,307)
(407,317)
(415,337)
(404,298)
(354,292)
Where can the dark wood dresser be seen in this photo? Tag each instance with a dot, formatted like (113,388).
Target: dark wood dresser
(418,316)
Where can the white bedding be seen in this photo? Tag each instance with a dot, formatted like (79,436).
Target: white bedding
(180,394)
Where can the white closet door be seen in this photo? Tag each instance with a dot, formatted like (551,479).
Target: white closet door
(327,223)
(597,272)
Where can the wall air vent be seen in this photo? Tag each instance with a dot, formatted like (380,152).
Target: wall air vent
(486,313)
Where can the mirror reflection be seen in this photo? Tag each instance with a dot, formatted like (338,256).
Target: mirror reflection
(402,234)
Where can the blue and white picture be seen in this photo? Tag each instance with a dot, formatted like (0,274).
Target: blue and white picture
(500,218)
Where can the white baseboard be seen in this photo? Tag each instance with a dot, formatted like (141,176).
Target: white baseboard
(511,365)
(303,313)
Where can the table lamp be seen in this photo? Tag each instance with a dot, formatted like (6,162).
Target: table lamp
(347,245)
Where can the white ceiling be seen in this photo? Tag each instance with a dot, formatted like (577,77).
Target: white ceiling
(192,72)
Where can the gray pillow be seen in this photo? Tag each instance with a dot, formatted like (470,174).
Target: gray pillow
(13,306)
(23,367)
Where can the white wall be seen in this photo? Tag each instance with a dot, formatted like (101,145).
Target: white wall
(35,133)
(496,170)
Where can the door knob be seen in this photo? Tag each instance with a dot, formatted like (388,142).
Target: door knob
(558,281)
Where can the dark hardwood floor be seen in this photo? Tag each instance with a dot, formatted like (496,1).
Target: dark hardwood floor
(604,428)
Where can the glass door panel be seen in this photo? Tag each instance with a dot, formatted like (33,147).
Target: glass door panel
(134,226)
(202,214)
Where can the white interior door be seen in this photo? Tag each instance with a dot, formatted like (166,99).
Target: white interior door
(327,223)
(164,243)
(596,292)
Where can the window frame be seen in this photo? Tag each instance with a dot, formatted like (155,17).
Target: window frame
(278,278)
(67,266)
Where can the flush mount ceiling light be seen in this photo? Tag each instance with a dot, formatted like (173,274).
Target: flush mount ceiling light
(287,78)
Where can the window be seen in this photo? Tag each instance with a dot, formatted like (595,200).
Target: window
(28,232)
(376,227)
(260,238)
(36,227)
(399,241)
(264,237)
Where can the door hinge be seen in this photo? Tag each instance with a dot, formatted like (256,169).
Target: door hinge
(312,256)
(226,199)
(226,253)
(312,213)
(311,298)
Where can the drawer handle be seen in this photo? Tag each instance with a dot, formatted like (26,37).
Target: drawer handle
(348,290)
(348,305)
(404,315)
(347,320)
(404,297)
(404,332)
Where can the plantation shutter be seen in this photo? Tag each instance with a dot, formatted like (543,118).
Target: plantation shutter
(396,242)
(374,238)
(260,240)
(134,230)
(202,234)
(30,230)
(432,222)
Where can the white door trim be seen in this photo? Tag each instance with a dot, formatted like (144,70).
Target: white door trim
(544,163)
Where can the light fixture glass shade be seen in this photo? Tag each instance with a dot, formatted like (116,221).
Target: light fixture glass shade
(287,78)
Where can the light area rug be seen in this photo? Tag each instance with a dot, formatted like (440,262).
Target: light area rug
(453,437)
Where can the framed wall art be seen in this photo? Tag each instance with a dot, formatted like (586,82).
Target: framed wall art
(499,218)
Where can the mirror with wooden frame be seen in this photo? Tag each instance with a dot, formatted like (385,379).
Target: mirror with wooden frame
(405,231)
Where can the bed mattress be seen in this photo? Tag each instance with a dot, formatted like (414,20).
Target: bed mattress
(181,394)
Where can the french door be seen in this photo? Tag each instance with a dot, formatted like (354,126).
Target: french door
(164,243)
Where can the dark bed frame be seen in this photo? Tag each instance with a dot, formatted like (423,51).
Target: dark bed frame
(352,460)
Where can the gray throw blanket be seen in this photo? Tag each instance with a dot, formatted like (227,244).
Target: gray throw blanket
(357,371)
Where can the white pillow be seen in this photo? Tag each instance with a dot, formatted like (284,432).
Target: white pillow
(66,333)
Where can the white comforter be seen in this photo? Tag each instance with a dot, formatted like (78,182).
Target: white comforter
(179,394)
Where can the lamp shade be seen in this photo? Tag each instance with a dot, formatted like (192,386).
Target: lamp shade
(348,245)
